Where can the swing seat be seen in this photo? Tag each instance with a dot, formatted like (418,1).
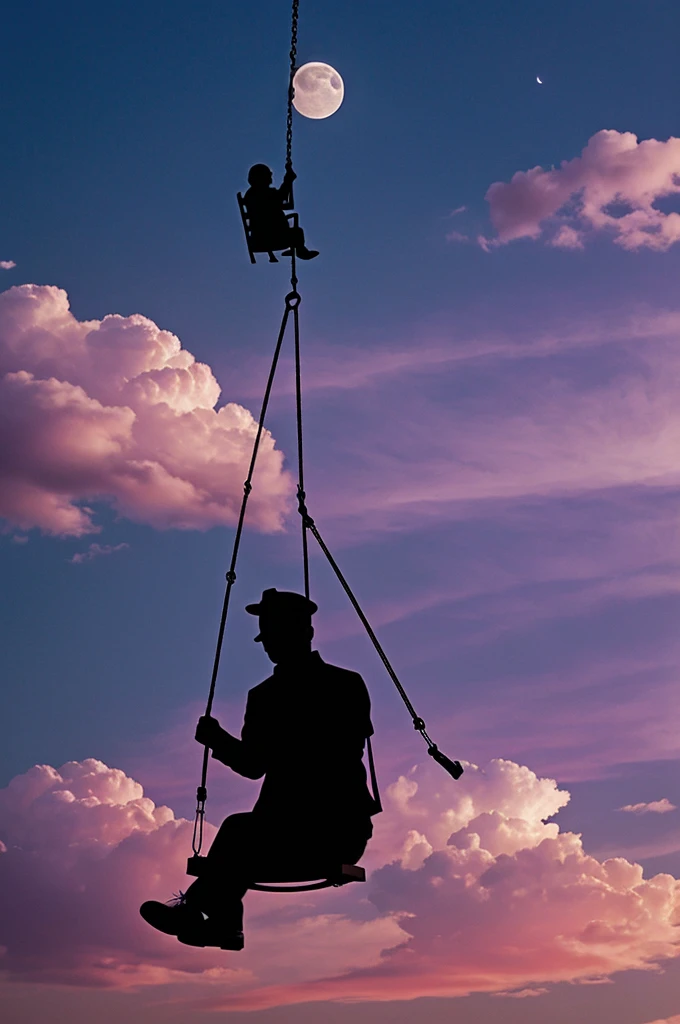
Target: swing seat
(340,874)
(254,245)
(327,876)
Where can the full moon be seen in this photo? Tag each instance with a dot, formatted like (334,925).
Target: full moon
(319,90)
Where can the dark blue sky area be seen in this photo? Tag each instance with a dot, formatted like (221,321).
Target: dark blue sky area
(127,129)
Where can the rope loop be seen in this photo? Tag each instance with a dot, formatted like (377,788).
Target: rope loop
(293,300)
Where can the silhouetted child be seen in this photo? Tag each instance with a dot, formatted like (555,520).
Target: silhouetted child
(269,226)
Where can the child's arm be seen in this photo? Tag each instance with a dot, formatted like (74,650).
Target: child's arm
(286,189)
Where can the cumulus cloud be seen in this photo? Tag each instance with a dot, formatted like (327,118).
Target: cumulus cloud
(7,264)
(81,847)
(655,807)
(614,186)
(497,899)
(96,551)
(472,889)
(116,410)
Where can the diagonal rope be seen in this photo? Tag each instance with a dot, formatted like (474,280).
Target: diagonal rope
(292,300)
(454,768)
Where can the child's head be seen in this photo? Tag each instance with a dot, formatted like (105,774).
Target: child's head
(259,174)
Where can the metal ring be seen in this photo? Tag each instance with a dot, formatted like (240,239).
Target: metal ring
(293,300)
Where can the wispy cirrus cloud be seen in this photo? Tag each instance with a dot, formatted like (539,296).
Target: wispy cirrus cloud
(523,993)
(613,188)
(493,431)
(96,551)
(663,806)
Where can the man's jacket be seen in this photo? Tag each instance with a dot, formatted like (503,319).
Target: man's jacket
(304,729)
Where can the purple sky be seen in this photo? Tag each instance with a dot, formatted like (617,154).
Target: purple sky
(491,369)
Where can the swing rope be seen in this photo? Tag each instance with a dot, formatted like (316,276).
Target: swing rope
(301,462)
(454,768)
(292,303)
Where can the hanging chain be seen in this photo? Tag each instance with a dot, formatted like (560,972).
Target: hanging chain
(291,88)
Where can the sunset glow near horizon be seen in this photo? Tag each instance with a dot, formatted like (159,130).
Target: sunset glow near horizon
(491,357)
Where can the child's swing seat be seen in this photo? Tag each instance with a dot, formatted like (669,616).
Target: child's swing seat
(252,243)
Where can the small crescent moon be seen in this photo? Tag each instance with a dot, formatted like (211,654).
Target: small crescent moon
(539,80)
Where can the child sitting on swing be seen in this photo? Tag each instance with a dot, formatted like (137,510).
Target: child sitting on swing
(265,205)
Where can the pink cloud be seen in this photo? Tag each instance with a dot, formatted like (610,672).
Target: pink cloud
(7,264)
(116,410)
(494,899)
(655,807)
(612,187)
(82,847)
(96,551)
(471,890)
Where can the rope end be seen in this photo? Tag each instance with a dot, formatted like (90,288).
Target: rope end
(454,768)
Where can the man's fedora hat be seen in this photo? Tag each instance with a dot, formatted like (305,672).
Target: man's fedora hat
(284,606)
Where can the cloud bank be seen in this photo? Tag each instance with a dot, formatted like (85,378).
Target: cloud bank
(614,187)
(116,410)
(472,889)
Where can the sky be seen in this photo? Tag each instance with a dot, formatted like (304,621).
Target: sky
(490,367)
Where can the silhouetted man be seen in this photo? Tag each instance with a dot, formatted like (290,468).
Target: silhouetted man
(304,731)
(265,205)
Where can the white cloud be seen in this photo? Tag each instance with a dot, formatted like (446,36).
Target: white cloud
(655,807)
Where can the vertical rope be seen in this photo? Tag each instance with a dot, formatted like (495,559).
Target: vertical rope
(301,465)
